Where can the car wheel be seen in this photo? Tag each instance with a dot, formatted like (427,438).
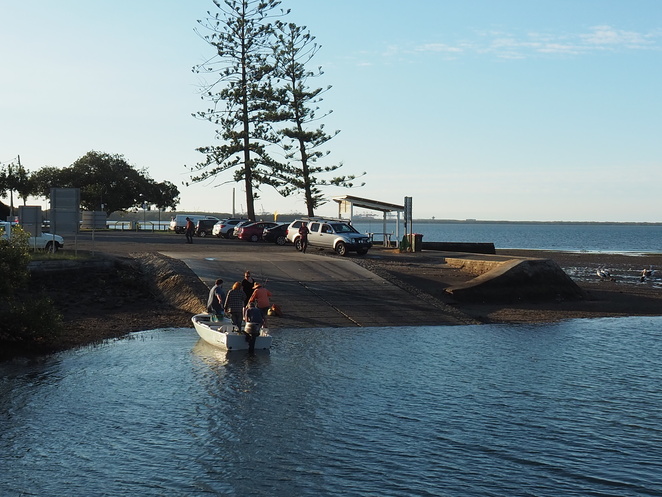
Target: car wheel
(203,234)
(297,244)
(51,247)
(254,238)
(341,249)
(281,240)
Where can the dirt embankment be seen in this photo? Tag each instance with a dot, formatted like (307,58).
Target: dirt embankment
(138,292)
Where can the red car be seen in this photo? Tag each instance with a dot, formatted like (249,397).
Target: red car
(253,232)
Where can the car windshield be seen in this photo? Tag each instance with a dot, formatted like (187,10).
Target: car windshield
(343,228)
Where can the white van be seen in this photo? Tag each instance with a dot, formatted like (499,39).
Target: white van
(178,222)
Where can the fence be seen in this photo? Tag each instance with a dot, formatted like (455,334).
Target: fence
(138,226)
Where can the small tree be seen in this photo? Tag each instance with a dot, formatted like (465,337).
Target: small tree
(28,319)
(301,140)
(15,178)
(242,98)
(14,258)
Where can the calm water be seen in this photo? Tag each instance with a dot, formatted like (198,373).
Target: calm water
(573,237)
(569,409)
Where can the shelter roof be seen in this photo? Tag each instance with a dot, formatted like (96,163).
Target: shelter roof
(366,203)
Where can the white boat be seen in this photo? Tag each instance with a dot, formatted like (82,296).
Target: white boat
(225,335)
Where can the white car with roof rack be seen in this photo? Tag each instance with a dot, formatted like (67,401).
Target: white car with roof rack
(335,234)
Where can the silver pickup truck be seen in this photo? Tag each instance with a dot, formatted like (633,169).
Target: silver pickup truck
(46,241)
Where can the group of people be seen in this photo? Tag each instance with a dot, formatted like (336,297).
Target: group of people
(247,301)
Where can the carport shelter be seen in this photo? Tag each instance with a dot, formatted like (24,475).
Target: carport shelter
(346,204)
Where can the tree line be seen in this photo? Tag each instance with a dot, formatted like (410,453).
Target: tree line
(107,182)
(261,103)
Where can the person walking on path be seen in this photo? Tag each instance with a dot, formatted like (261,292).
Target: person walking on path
(234,303)
(254,322)
(303,233)
(247,284)
(261,297)
(216,299)
(189,229)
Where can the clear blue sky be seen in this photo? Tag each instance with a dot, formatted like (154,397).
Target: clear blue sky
(489,109)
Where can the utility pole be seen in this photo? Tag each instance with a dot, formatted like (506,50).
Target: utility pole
(11,190)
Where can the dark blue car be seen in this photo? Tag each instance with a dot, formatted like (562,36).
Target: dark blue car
(276,234)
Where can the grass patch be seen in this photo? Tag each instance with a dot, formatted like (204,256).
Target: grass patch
(41,255)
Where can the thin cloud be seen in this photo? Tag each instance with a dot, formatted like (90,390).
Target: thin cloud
(440,47)
(519,46)
(607,37)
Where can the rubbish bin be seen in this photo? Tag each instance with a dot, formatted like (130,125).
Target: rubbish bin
(418,242)
(415,241)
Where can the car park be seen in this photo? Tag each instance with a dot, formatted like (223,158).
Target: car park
(204,227)
(225,227)
(252,232)
(335,234)
(276,234)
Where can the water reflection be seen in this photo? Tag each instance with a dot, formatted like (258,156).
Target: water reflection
(564,409)
(215,356)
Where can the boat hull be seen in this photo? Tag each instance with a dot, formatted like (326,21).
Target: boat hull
(220,334)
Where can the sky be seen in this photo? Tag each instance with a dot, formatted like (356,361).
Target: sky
(520,110)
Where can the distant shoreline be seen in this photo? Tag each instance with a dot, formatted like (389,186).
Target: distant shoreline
(479,221)
(164,217)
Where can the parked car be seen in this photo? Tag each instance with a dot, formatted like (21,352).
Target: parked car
(253,232)
(276,234)
(235,231)
(49,242)
(225,227)
(335,234)
(204,227)
(178,222)
(293,228)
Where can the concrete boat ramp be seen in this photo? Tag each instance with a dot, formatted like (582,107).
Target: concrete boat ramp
(329,291)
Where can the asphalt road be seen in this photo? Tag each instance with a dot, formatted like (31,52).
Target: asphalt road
(313,290)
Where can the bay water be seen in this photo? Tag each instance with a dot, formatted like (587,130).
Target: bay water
(577,237)
(570,408)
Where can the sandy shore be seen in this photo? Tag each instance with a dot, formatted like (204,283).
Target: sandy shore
(98,306)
